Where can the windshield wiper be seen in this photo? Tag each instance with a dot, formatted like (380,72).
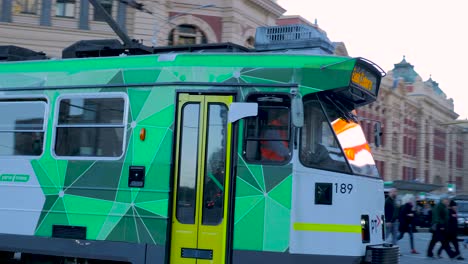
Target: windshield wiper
(347,115)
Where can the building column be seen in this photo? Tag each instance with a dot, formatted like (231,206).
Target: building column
(464,167)
(421,148)
(453,149)
(447,165)
(5,14)
(122,16)
(46,13)
(430,137)
(84,15)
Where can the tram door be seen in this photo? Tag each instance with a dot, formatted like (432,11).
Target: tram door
(201,179)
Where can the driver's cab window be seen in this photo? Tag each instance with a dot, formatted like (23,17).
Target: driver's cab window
(319,147)
(267,135)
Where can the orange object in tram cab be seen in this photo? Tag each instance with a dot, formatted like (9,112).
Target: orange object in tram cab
(265,149)
(341,126)
(351,152)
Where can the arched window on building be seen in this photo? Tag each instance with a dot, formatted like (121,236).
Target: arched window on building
(186,35)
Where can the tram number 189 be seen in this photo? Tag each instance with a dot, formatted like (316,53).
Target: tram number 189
(343,188)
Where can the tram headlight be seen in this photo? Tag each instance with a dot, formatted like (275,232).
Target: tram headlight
(383,228)
(365,230)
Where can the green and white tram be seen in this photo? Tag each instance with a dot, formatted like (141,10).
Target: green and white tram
(211,157)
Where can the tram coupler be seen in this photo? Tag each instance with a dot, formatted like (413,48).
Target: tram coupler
(382,254)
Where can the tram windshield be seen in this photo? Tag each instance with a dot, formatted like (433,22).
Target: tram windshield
(330,140)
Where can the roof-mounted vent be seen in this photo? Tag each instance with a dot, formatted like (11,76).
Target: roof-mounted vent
(293,38)
(15,53)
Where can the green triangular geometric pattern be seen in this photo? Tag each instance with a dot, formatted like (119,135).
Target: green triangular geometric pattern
(59,207)
(276,226)
(279,74)
(250,79)
(158,208)
(116,213)
(249,230)
(143,232)
(126,229)
(47,186)
(75,169)
(124,194)
(245,204)
(151,196)
(282,193)
(117,79)
(155,104)
(100,181)
(141,76)
(274,198)
(137,99)
(56,216)
(257,172)
(49,202)
(159,174)
(154,138)
(157,228)
(245,174)
(275,175)
(243,188)
(163,118)
(92,77)
(54,171)
(96,213)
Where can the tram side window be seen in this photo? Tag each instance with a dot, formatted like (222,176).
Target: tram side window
(319,147)
(22,127)
(267,135)
(90,127)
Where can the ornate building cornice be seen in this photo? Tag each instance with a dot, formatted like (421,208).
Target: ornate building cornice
(270,6)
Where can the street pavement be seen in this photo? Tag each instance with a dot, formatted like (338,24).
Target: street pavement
(421,241)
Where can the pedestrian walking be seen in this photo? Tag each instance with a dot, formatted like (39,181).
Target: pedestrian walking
(391,215)
(451,234)
(406,218)
(440,216)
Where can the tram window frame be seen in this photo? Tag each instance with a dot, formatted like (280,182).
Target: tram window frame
(81,126)
(273,101)
(36,134)
(190,192)
(213,210)
(320,135)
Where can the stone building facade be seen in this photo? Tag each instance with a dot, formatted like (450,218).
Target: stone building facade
(421,141)
(51,25)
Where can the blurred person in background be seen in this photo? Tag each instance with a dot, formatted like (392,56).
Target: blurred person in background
(451,233)
(440,215)
(406,218)
(391,215)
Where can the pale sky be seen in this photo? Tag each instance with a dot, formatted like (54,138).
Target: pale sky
(432,34)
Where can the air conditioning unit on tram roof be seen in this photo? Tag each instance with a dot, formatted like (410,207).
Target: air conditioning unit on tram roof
(297,38)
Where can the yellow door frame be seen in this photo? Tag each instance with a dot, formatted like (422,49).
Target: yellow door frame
(197,242)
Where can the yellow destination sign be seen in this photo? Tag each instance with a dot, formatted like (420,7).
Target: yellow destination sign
(361,79)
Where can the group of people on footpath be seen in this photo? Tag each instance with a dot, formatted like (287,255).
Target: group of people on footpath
(400,220)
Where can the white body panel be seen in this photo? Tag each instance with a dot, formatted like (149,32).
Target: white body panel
(365,198)
(22,201)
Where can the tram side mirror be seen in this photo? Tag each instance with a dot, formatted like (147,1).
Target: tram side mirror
(378,134)
(297,111)
(240,110)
